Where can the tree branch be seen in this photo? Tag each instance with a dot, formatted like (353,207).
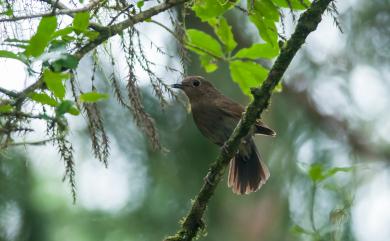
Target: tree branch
(51,13)
(105,34)
(18,114)
(32,143)
(8,92)
(130,22)
(307,23)
(57,4)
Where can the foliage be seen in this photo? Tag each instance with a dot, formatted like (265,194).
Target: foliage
(52,54)
(57,48)
(244,64)
(325,180)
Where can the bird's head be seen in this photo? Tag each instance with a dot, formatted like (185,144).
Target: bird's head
(196,88)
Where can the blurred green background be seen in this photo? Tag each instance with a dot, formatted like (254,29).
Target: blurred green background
(333,112)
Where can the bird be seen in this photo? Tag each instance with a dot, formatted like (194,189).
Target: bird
(216,116)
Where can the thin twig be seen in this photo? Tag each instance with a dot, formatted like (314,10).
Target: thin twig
(28,115)
(51,13)
(313,191)
(242,9)
(106,33)
(59,5)
(32,143)
(8,92)
(130,22)
(120,13)
(186,43)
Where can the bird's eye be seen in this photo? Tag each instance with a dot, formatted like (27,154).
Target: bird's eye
(196,83)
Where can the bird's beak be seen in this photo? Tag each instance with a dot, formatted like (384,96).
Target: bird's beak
(177,86)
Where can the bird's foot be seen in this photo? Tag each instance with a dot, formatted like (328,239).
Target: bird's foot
(224,148)
(208,178)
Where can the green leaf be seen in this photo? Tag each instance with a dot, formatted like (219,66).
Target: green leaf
(92,97)
(66,61)
(73,111)
(92,35)
(54,82)
(208,63)
(81,21)
(264,14)
(68,38)
(264,9)
(224,32)
(57,45)
(258,51)
(11,55)
(69,61)
(43,99)
(267,29)
(296,229)
(6,108)
(295,4)
(202,43)
(247,75)
(316,172)
(67,106)
(334,170)
(64,107)
(140,4)
(9,12)
(63,32)
(8,54)
(208,9)
(40,40)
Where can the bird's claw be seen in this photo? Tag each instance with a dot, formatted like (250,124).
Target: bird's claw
(208,180)
(224,148)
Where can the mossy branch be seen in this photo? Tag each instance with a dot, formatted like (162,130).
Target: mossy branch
(307,23)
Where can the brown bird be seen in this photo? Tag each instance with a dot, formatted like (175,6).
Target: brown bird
(216,117)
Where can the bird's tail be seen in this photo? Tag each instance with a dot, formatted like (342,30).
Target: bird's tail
(247,172)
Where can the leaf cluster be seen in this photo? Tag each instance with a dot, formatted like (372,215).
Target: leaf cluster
(244,63)
(59,48)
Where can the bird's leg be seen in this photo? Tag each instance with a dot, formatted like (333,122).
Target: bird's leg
(226,151)
(208,178)
(224,148)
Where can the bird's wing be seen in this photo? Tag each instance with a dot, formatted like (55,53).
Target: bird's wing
(230,107)
(235,110)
